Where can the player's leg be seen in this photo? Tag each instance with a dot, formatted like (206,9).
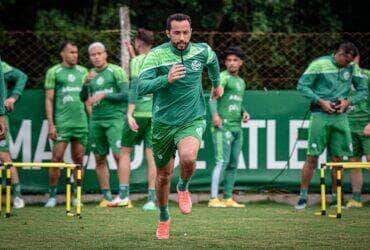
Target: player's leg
(188,138)
(123,173)
(18,202)
(114,135)
(100,148)
(356,183)
(222,150)
(54,173)
(340,145)
(78,152)
(230,171)
(317,142)
(164,149)
(152,170)
(152,173)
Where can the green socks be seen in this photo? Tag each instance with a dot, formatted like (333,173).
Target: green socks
(357,196)
(333,196)
(151,195)
(164,214)
(107,194)
(124,191)
(183,185)
(52,191)
(16,190)
(304,194)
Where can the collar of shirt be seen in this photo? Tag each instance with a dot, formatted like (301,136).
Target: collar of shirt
(176,51)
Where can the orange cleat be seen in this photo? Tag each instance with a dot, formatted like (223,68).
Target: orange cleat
(185,203)
(163,230)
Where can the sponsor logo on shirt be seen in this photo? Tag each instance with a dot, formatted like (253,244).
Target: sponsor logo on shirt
(71,89)
(196,65)
(71,78)
(233,107)
(100,80)
(235,98)
(105,91)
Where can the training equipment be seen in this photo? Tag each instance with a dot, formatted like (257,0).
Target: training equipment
(67,166)
(338,166)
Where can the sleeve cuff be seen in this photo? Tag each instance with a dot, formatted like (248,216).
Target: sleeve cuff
(15,96)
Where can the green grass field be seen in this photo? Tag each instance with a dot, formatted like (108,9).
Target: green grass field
(262,225)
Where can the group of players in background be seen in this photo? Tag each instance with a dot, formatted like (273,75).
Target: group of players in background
(162,103)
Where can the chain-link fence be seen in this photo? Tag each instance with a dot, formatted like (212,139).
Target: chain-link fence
(273,60)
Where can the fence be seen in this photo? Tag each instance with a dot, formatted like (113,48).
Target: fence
(273,60)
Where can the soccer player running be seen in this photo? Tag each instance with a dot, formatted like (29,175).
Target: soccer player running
(17,78)
(327,83)
(105,90)
(173,73)
(138,127)
(65,113)
(227,115)
(358,117)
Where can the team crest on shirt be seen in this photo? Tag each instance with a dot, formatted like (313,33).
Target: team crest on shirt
(67,98)
(3,143)
(238,86)
(100,80)
(314,145)
(71,78)
(196,65)
(118,143)
(199,131)
(346,75)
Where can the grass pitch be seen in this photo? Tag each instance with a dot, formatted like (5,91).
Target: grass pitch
(261,225)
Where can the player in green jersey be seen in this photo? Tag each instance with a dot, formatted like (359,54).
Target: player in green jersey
(227,115)
(327,83)
(65,113)
(105,91)
(138,126)
(3,127)
(358,117)
(12,77)
(173,73)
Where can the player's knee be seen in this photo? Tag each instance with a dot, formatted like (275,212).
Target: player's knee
(164,177)
(188,160)
(311,162)
(54,174)
(78,159)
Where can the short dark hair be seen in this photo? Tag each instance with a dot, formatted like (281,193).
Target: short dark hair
(146,36)
(349,48)
(236,51)
(65,44)
(177,17)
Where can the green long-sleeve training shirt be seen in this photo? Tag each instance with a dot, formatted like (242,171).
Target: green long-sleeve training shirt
(16,76)
(2,90)
(112,81)
(326,80)
(360,111)
(230,106)
(183,100)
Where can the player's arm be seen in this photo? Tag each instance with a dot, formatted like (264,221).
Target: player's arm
(360,82)
(49,102)
(213,68)
(216,119)
(306,83)
(122,86)
(150,81)
(2,108)
(20,79)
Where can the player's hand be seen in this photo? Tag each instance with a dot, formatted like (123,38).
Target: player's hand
(176,72)
(9,103)
(217,121)
(246,117)
(95,98)
(344,104)
(367,130)
(92,74)
(3,128)
(132,123)
(52,132)
(326,106)
(130,48)
(216,93)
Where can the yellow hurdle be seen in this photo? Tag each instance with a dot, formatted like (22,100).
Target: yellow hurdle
(68,166)
(339,166)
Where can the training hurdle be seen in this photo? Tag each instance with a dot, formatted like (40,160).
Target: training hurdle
(339,167)
(68,166)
